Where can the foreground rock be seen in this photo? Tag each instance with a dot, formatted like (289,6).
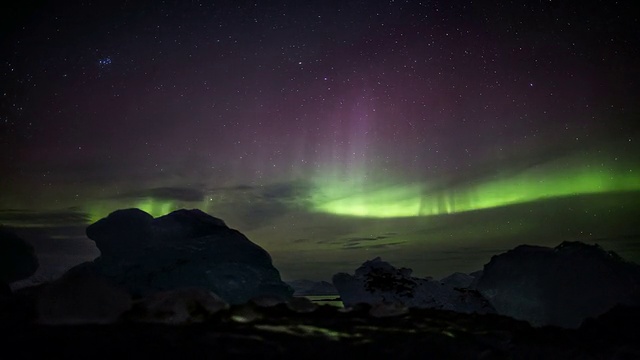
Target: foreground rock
(180,306)
(279,332)
(81,298)
(17,260)
(459,280)
(559,286)
(186,248)
(377,282)
(308,287)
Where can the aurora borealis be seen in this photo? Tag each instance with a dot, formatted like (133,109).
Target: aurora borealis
(431,133)
(531,185)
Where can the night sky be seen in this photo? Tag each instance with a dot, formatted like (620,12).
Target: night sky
(431,133)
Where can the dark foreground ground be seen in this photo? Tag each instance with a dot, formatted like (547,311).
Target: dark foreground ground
(276,332)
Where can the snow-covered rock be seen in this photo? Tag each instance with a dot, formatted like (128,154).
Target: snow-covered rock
(186,248)
(378,282)
(179,306)
(559,286)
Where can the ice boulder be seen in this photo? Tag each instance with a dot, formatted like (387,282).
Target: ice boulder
(378,282)
(559,286)
(186,248)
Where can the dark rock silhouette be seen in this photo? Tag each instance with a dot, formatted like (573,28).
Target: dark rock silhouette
(81,298)
(458,280)
(378,282)
(559,286)
(17,259)
(284,332)
(186,248)
(194,323)
(179,306)
(304,287)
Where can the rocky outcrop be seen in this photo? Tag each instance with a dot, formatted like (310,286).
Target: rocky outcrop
(559,286)
(186,248)
(378,282)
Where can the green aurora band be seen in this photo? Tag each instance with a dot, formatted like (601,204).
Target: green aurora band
(356,193)
(154,207)
(412,200)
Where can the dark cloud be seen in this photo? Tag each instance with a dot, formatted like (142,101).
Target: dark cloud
(355,246)
(361,242)
(287,191)
(29,218)
(371,238)
(227,189)
(240,187)
(329,242)
(283,191)
(257,206)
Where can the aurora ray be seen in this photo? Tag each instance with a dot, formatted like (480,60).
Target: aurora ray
(155,207)
(409,200)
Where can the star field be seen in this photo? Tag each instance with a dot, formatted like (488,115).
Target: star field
(437,130)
